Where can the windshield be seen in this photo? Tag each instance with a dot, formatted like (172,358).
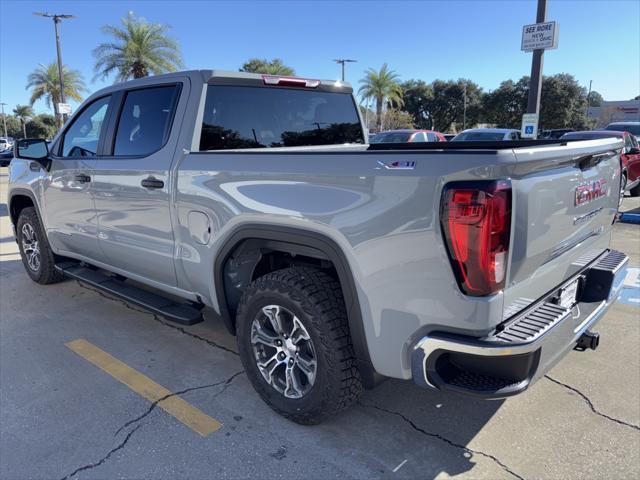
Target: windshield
(625,127)
(479,136)
(259,117)
(391,137)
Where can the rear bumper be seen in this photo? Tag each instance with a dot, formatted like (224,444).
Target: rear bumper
(525,347)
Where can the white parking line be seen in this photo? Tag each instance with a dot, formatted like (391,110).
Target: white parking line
(400,466)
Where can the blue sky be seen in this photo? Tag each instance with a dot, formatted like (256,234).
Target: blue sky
(476,39)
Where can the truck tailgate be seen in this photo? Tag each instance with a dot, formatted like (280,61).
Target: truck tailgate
(565,201)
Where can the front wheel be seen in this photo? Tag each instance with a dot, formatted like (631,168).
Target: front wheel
(36,254)
(294,342)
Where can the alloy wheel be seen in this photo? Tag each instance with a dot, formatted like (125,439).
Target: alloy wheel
(31,247)
(283,351)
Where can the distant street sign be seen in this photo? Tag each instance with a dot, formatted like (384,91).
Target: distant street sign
(529,125)
(64,109)
(540,36)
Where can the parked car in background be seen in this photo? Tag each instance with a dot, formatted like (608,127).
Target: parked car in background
(6,143)
(408,136)
(631,127)
(629,160)
(554,133)
(449,136)
(6,156)
(487,134)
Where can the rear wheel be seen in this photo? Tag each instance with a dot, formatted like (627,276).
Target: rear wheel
(295,346)
(635,191)
(36,254)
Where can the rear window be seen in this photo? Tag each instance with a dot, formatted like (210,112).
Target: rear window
(391,137)
(625,127)
(479,136)
(262,117)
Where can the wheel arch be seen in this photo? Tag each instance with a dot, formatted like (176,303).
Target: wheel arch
(19,199)
(292,240)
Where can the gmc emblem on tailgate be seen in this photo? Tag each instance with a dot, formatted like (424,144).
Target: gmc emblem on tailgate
(588,192)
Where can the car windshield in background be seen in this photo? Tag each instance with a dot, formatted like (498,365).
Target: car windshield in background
(392,137)
(259,117)
(479,136)
(625,127)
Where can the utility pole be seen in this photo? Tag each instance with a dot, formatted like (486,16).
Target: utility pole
(4,119)
(464,112)
(57,19)
(533,102)
(586,114)
(342,61)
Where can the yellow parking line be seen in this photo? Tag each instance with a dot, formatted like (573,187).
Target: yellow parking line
(141,384)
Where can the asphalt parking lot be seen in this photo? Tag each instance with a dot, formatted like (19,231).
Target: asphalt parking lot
(72,361)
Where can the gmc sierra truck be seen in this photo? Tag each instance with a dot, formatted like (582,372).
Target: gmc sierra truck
(469,267)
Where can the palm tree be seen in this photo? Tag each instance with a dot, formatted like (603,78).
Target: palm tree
(384,87)
(262,65)
(140,49)
(44,83)
(24,113)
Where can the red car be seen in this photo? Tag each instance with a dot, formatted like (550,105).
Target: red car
(408,136)
(630,157)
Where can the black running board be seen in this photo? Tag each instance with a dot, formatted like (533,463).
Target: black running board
(176,312)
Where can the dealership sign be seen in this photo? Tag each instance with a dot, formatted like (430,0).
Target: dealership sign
(539,36)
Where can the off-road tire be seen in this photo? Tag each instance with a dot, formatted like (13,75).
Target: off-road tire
(46,273)
(316,299)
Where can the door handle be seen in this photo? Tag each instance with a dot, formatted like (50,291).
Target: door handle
(152,183)
(82,178)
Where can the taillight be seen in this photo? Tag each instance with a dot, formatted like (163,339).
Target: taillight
(476,224)
(290,81)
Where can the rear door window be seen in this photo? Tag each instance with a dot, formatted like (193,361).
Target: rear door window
(263,117)
(145,120)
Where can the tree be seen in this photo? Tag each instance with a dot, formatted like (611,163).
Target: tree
(382,86)
(417,97)
(14,129)
(505,105)
(139,49)
(562,103)
(24,113)
(447,106)
(594,99)
(262,65)
(42,126)
(44,83)
(393,119)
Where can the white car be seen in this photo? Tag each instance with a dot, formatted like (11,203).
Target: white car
(487,134)
(6,143)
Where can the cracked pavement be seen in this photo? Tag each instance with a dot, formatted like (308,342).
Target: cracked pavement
(61,417)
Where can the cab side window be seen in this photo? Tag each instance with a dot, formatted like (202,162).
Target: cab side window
(81,138)
(145,120)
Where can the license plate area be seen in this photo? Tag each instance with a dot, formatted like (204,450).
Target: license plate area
(568,294)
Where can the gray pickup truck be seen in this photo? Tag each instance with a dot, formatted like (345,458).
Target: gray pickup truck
(470,267)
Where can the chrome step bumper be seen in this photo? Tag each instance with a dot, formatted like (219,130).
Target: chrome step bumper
(525,347)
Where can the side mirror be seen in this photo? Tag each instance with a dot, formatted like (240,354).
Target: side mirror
(33,149)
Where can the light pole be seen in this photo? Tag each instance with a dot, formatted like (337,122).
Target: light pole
(57,18)
(464,112)
(4,120)
(342,61)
